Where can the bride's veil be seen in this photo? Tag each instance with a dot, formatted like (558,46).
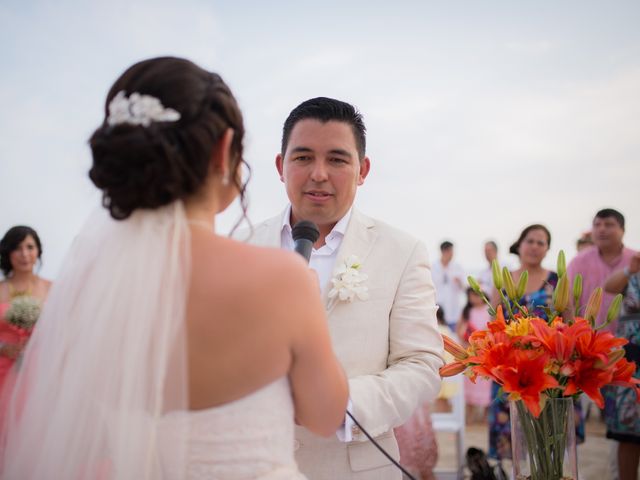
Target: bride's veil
(107,359)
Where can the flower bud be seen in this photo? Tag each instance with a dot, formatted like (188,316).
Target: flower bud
(522,284)
(508,284)
(475,286)
(562,264)
(561,294)
(451,369)
(593,306)
(577,290)
(495,272)
(454,349)
(614,308)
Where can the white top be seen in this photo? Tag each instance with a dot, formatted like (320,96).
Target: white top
(251,437)
(448,290)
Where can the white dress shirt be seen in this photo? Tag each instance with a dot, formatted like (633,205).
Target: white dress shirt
(323,260)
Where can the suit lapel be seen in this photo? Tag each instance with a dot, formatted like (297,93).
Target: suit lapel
(358,240)
(269,232)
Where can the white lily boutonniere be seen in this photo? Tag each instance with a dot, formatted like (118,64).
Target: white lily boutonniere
(348,281)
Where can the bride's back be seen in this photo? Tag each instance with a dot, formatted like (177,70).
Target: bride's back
(240,331)
(107,366)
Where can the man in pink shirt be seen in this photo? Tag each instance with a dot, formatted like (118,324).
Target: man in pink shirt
(607,255)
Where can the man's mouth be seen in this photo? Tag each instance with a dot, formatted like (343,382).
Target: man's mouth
(317,194)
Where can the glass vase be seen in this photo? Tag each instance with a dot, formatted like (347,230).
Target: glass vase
(544,448)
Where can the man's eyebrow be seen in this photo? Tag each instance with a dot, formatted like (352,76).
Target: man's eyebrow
(334,151)
(301,149)
(339,151)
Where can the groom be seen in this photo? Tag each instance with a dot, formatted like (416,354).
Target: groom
(382,321)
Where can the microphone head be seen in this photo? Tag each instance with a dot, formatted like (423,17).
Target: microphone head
(306,230)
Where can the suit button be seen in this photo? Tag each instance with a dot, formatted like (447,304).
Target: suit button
(355,430)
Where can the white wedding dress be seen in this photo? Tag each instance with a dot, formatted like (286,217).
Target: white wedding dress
(102,389)
(249,438)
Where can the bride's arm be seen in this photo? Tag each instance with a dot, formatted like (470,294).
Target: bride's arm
(319,385)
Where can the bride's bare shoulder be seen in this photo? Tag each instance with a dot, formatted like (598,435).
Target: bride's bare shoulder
(253,263)
(270,261)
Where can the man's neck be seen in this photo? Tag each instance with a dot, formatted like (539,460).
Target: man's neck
(445,262)
(610,253)
(324,229)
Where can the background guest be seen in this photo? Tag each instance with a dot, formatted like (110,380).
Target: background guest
(596,264)
(622,411)
(20,251)
(531,248)
(585,241)
(448,278)
(485,278)
(477,395)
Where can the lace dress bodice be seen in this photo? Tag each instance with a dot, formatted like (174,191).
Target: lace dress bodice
(250,438)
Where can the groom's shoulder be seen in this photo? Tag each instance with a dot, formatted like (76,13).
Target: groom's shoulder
(255,233)
(391,234)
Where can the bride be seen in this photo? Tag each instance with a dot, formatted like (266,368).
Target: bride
(166,350)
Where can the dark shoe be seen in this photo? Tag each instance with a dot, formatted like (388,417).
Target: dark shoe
(479,465)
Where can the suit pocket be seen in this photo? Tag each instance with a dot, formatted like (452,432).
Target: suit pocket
(365,456)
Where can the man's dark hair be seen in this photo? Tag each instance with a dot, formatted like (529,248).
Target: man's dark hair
(446,245)
(611,213)
(324,110)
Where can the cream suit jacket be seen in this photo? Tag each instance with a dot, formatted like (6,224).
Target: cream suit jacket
(388,345)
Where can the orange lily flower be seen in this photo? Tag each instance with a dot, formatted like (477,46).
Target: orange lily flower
(524,379)
(589,379)
(498,325)
(597,344)
(623,371)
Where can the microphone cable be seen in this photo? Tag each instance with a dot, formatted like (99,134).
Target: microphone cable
(384,452)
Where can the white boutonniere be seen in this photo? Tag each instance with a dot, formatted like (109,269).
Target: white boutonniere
(348,281)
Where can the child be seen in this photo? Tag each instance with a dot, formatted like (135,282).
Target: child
(477,395)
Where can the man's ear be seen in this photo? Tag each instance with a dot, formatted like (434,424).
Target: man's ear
(280,166)
(221,155)
(365,166)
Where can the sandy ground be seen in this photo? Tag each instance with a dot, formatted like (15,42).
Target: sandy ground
(593,454)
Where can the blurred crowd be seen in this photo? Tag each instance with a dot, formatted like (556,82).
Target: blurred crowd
(602,259)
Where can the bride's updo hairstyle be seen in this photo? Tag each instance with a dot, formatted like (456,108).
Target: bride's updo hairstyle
(151,165)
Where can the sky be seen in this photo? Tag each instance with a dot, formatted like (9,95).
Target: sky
(482,117)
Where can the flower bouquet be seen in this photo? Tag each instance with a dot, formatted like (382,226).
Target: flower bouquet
(539,362)
(23,312)
(21,316)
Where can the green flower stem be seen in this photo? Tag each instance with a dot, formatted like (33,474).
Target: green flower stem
(508,304)
(546,439)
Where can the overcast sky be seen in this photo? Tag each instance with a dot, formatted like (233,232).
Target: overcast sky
(483,117)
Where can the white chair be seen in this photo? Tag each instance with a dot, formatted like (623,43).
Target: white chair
(453,422)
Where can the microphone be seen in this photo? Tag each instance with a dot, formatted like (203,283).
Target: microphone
(305,234)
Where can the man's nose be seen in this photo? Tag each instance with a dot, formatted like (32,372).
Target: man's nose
(319,172)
